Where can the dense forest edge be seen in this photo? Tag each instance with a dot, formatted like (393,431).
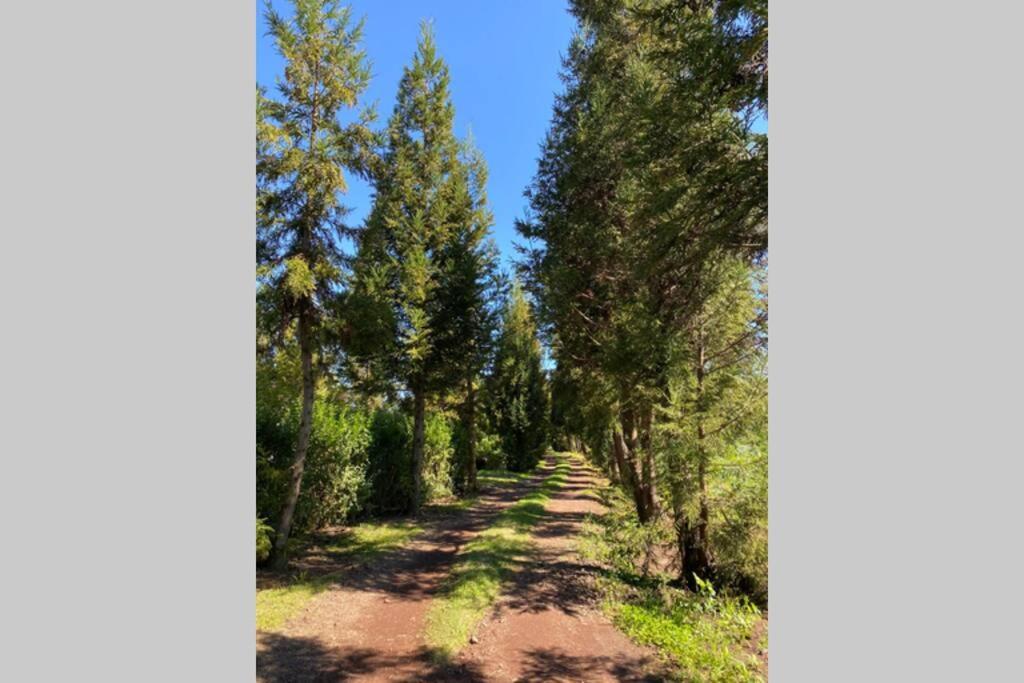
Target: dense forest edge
(401,370)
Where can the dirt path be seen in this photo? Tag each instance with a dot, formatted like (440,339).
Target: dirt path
(547,626)
(370,628)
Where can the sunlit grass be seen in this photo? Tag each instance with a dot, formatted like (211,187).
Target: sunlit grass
(475,581)
(703,636)
(275,606)
(371,538)
(492,477)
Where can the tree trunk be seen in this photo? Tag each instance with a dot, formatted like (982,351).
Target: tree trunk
(302,446)
(613,469)
(628,469)
(470,434)
(418,442)
(647,447)
(701,563)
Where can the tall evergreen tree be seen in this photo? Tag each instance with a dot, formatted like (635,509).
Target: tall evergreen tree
(650,175)
(304,152)
(518,391)
(419,200)
(469,285)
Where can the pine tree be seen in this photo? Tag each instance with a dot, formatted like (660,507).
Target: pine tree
(303,152)
(649,176)
(419,200)
(518,391)
(469,284)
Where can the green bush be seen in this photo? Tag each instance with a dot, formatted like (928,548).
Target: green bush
(264,542)
(334,483)
(389,462)
(437,457)
(488,451)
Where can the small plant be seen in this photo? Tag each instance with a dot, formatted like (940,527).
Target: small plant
(264,540)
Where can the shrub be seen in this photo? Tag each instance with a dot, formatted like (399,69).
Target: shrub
(389,462)
(264,540)
(334,483)
(437,457)
(488,451)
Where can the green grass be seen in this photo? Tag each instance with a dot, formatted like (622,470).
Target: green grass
(703,642)
(499,477)
(475,580)
(702,636)
(371,538)
(275,606)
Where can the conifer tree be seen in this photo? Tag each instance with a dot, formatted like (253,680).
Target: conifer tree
(303,153)
(419,200)
(469,284)
(518,393)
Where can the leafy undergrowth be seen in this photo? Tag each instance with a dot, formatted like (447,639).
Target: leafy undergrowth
(475,580)
(703,636)
(275,606)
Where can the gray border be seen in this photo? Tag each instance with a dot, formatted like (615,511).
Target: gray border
(894,526)
(127,355)
(127,379)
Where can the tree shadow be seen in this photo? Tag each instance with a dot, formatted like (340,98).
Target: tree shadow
(286,659)
(553,664)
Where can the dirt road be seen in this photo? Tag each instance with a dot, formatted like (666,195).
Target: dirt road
(545,627)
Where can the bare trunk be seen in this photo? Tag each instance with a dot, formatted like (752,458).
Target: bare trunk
(700,563)
(628,469)
(470,434)
(418,442)
(613,469)
(301,447)
(647,445)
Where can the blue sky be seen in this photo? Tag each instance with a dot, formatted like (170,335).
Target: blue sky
(504,59)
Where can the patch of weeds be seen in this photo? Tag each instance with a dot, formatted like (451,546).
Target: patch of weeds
(475,581)
(371,538)
(703,636)
(275,606)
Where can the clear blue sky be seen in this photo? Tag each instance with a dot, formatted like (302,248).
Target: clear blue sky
(504,59)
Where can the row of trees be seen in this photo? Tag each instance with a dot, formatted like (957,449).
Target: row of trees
(407,312)
(647,256)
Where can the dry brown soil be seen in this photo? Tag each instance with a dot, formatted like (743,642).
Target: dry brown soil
(545,627)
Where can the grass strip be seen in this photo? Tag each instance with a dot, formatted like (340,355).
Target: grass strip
(475,581)
(704,637)
(275,606)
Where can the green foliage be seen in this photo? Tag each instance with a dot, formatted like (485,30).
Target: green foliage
(704,635)
(475,580)
(437,457)
(649,225)
(264,540)
(390,462)
(334,481)
(517,388)
(303,152)
(488,450)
